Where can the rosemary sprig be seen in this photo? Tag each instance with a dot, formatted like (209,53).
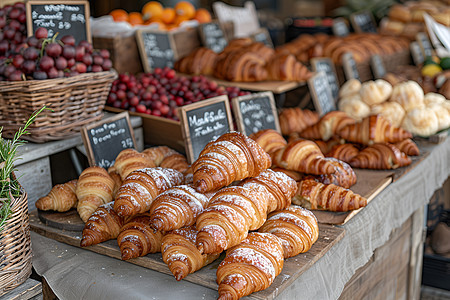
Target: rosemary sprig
(9,186)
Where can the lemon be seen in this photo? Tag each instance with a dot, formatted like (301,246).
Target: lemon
(431,70)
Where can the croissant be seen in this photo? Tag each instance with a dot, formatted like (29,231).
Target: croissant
(141,187)
(303,156)
(286,67)
(233,156)
(137,238)
(270,140)
(295,226)
(180,253)
(297,176)
(295,119)
(241,65)
(201,61)
(380,156)
(344,175)
(61,198)
(250,266)
(344,152)
(103,225)
(158,153)
(117,181)
(130,160)
(177,207)
(328,125)
(408,147)
(324,147)
(94,188)
(175,161)
(315,195)
(373,129)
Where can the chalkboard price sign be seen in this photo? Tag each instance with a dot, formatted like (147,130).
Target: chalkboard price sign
(416,53)
(156,49)
(255,112)
(321,94)
(62,17)
(105,139)
(326,65)
(363,22)
(212,36)
(424,43)
(204,121)
(350,67)
(263,36)
(340,27)
(377,66)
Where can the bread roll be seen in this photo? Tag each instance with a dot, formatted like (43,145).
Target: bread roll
(421,121)
(354,107)
(442,115)
(400,13)
(433,98)
(408,94)
(375,92)
(350,87)
(391,111)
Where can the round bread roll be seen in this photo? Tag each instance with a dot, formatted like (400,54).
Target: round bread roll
(442,114)
(392,27)
(421,121)
(408,94)
(391,111)
(400,13)
(375,92)
(354,107)
(433,98)
(350,87)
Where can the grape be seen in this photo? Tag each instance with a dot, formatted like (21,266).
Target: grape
(68,51)
(89,48)
(104,53)
(87,59)
(30,53)
(70,62)
(97,68)
(9,33)
(53,50)
(2,22)
(32,41)
(15,13)
(18,61)
(68,40)
(29,66)
(107,64)
(9,70)
(52,73)
(15,76)
(4,46)
(46,63)
(61,63)
(14,24)
(97,59)
(80,67)
(40,75)
(22,18)
(41,33)
(80,51)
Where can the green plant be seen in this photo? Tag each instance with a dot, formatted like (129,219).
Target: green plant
(9,186)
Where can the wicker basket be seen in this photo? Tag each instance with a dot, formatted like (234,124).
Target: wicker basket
(15,246)
(75,101)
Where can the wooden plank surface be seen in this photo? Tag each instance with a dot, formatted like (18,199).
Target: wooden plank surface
(27,290)
(293,267)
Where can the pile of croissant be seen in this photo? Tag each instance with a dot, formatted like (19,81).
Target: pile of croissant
(244,60)
(228,200)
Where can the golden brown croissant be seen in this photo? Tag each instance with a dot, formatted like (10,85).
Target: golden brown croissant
(344,152)
(344,175)
(295,226)
(130,160)
(408,147)
(250,266)
(158,153)
(286,67)
(94,188)
(328,125)
(176,208)
(233,156)
(175,161)
(180,253)
(201,61)
(103,225)
(61,198)
(303,156)
(315,195)
(137,238)
(380,156)
(297,176)
(141,187)
(117,181)
(295,119)
(373,129)
(269,139)
(241,65)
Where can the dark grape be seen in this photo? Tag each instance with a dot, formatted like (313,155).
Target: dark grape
(22,18)
(15,76)
(4,47)
(97,59)
(9,70)
(15,13)
(46,63)
(68,51)
(2,22)
(87,59)
(14,24)
(53,50)
(68,40)
(52,73)
(80,67)
(104,53)
(89,48)
(60,63)
(80,51)
(107,64)
(32,41)
(18,61)
(30,53)
(29,66)
(97,68)
(41,33)
(9,33)
(70,62)
(40,75)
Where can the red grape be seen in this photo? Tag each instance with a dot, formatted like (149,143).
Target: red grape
(52,73)
(80,67)
(61,63)
(2,22)
(107,64)
(87,59)
(46,63)
(97,68)
(9,33)
(80,51)
(14,24)
(18,61)
(70,62)
(68,51)
(15,76)
(41,33)
(68,40)
(53,49)
(29,66)
(15,13)
(141,108)
(32,41)
(9,70)
(97,59)
(88,46)
(22,18)
(4,47)
(40,75)
(104,53)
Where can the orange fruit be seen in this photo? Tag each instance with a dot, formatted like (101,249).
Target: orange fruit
(180,19)
(168,15)
(135,18)
(185,9)
(202,16)
(119,15)
(161,25)
(152,10)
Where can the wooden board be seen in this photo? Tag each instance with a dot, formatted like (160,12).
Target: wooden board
(69,220)
(293,267)
(30,289)
(398,173)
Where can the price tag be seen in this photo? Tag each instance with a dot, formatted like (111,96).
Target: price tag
(350,67)
(424,43)
(204,121)
(377,66)
(212,36)
(416,53)
(105,139)
(64,18)
(340,27)
(157,49)
(363,22)
(326,65)
(320,93)
(255,112)
(263,36)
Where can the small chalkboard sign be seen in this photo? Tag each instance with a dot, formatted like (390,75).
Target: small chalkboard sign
(350,67)
(105,139)
(424,43)
(416,53)
(157,49)
(363,22)
(340,27)
(377,65)
(327,65)
(320,93)
(62,17)
(204,121)
(255,112)
(212,36)
(263,36)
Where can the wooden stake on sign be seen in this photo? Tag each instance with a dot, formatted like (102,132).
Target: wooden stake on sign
(62,26)
(113,139)
(320,93)
(162,43)
(326,64)
(262,109)
(207,126)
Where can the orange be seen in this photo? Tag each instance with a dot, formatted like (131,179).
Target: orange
(152,10)
(119,15)
(161,25)
(202,15)
(180,19)
(168,15)
(185,9)
(135,18)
